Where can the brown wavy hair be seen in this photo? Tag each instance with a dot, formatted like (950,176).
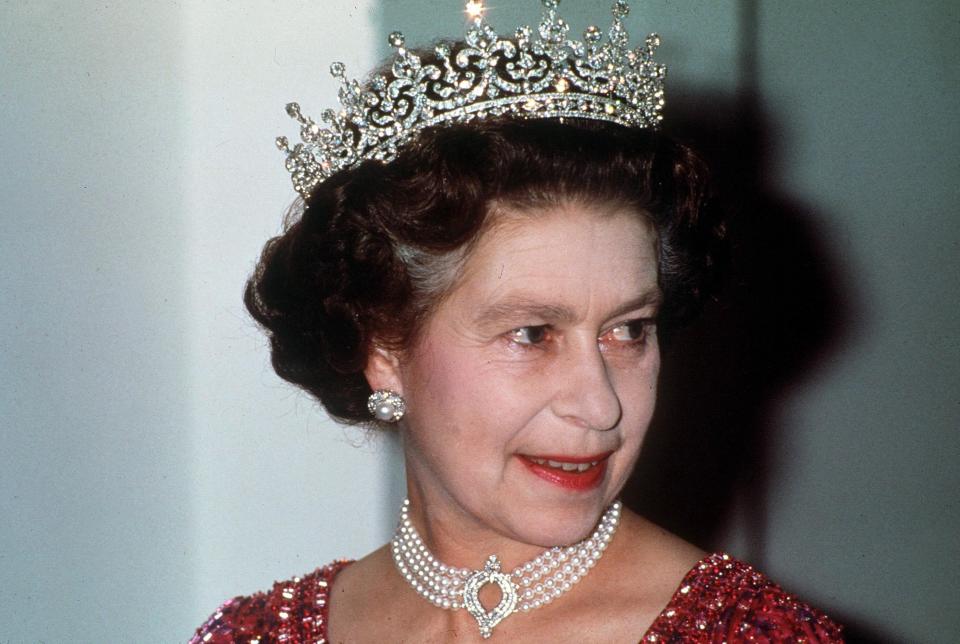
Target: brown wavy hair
(373,249)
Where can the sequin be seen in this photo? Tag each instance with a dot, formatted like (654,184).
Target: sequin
(726,600)
(720,600)
(293,612)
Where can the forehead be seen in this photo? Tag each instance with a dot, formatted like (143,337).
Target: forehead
(569,251)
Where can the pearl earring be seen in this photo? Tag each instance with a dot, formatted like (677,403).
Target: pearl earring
(387,406)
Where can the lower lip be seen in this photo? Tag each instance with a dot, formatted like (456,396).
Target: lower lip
(587,480)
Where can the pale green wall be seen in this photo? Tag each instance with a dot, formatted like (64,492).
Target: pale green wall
(151,464)
(94,429)
(865,500)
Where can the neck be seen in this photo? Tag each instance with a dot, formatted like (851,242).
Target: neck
(533,584)
(459,539)
(464,543)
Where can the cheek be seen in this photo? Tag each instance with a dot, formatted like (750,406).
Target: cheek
(637,389)
(443,392)
(468,396)
(433,384)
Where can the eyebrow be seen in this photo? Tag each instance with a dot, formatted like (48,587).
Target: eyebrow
(522,307)
(653,297)
(514,307)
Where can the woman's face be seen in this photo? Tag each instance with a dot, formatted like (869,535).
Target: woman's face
(533,383)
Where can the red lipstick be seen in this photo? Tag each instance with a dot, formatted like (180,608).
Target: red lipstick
(550,468)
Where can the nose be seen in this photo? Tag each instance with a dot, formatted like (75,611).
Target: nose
(585,393)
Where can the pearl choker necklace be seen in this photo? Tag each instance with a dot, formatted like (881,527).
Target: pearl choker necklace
(531,585)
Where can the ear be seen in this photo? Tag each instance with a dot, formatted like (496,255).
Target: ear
(383,370)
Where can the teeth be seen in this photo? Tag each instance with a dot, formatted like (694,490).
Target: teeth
(566,467)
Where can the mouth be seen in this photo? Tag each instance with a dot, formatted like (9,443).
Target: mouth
(569,472)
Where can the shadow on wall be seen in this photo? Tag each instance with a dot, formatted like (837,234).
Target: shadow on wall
(781,309)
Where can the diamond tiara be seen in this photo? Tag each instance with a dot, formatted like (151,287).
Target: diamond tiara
(542,74)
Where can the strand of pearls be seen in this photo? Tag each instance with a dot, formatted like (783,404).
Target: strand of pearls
(538,582)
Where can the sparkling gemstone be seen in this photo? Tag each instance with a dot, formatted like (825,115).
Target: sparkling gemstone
(396,39)
(474,8)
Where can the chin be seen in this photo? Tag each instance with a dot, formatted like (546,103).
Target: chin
(550,525)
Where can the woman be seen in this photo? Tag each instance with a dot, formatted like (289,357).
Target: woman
(489,270)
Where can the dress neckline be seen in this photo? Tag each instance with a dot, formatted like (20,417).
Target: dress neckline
(720,598)
(664,622)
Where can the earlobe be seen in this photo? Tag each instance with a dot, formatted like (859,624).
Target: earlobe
(383,370)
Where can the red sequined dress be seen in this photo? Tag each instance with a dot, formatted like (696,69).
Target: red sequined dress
(719,600)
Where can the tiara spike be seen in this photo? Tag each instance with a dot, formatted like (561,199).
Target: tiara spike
(541,73)
(396,39)
(338,70)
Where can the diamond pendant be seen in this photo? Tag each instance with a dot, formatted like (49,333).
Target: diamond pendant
(471,596)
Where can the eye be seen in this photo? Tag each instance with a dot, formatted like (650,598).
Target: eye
(528,335)
(632,332)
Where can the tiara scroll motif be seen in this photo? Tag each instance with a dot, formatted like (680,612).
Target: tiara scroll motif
(542,74)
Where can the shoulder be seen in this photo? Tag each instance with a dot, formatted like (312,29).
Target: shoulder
(726,598)
(293,610)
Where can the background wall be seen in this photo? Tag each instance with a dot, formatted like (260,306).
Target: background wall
(152,465)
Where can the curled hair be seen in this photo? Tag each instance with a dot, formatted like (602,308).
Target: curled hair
(377,247)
